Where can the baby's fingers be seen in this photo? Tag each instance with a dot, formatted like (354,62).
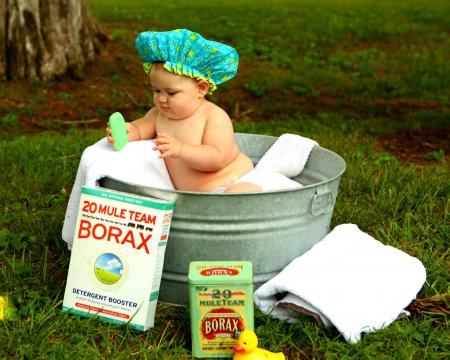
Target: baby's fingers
(108,135)
(164,149)
(165,154)
(163,140)
(161,147)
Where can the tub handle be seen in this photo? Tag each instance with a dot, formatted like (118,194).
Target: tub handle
(322,202)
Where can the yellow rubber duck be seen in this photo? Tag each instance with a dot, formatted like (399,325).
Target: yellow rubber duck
(2,308)
(246,348)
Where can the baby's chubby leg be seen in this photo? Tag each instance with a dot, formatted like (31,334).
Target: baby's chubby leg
(243,187)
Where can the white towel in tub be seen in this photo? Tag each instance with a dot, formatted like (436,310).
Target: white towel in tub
(137,163)
(349,279)
(287,155)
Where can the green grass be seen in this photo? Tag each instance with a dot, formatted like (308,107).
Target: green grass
(368,49)
(353,51)
(401,205)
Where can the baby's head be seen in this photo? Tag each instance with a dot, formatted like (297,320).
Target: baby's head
(176,96)
(186,53)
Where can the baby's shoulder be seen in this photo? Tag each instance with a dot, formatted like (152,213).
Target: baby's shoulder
(153,112)
(213,111)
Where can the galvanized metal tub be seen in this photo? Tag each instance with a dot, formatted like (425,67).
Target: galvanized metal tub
(270,229)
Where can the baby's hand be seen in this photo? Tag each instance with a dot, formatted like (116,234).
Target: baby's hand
(168,146)
(109,132)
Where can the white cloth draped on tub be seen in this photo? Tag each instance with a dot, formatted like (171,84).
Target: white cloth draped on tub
(138,164)
(348,279)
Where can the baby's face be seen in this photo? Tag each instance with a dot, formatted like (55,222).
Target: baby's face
(175,96)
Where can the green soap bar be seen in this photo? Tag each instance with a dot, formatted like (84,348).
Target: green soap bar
(118,130)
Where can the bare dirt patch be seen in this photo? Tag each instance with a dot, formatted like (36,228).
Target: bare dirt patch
(115,81)
(419,147)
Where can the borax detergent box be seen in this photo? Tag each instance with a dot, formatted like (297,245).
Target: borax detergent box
(117,257)
(221,305)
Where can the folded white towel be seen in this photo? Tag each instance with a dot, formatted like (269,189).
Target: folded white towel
(137,163)
(287,156)
(350,279)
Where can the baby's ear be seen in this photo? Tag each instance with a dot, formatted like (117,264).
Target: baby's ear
(203,87)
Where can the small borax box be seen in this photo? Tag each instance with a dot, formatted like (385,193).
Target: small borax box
(221,305)
(117,257)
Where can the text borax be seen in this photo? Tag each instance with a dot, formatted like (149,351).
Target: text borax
(92,207)
(99,231)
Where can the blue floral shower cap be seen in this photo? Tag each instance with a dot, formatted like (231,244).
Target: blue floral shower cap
(184,52)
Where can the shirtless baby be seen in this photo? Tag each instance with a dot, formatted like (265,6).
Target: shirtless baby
(194,136)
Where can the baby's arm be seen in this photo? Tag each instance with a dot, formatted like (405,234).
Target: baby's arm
(144,127)
(214,152)
(140,129)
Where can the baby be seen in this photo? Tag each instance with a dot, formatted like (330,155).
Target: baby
(194,136)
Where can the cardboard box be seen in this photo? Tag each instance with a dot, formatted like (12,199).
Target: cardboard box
(117,257)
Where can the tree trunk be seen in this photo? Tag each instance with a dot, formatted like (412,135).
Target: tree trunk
(47,38)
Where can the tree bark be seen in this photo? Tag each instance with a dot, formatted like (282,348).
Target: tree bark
(47,38)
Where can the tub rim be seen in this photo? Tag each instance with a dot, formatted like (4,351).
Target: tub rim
(174,193)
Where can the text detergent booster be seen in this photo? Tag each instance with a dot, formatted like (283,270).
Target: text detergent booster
(221,305)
